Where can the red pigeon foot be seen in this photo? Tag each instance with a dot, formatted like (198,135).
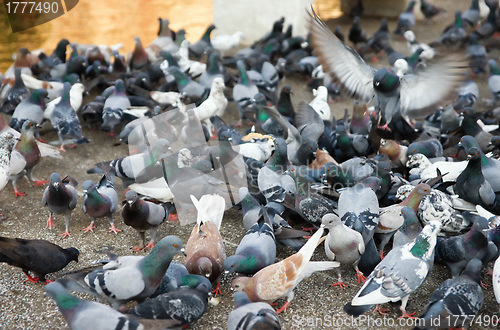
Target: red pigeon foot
(405,314)
(374,59)
(18,193)
(381,255)
(42,140)
(385,127)
(89,228)
(50,223)
(283,308)
(484,285)
(31,279)
(380,310)
(217,290)
(47,282)
(239,123)
(149,246)
(361,277)
(41,182)
(136,249)
(71,146)
(114,229)
(111,134)
(65,234)
(309,229)
(340,284)
(173,218)
(61,148)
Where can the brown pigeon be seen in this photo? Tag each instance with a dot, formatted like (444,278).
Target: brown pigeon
(205,252)
(279,279)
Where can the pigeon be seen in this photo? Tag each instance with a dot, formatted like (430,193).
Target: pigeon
(60,197)
(136,280)
(251,315)
(471,15)
(476,55)
(320,103)
(117,101)
(356,33)
(25,156)
(413,45)
(429,10)
(243,91)
(177,308)
(256,250)
(494,80)
(75,99)
(214,70)
(496,279)
(488,27)
(472,186)
(205,249)
(65,120)
(400,273)
(30,108)
(15,95)
(376,43)
(83,314)
(456,34)
(100,200)
(410,228)
(394,97)
(457,251)
(227,42)
(143,215)
(466,96)
(139,58)
(279,279)
(459,299)
(343,244)
(425,169)
(406,19)
(192,89)
(431,148)
(197,49)
(214,105)
(7,143)
(37,256)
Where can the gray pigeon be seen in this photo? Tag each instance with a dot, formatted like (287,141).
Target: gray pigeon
(248,315)
(134,281)
(115,104)
(394,97)
(243,92)
(15,95)
(400,273)
(30,108)
(457,251)
(410,229)
(476,55)
(456,34)
(494,80)
(100,200)
(471,15)
(65,120)
(194,90)
(343,244)
(197,49)
(256,250)
(143,215)
(60,198)
(406,20)
(82,314)
(456,301)
(177,308)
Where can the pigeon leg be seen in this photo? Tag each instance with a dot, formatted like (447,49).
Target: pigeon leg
(404,301)
(30,279)
(380,310)
(360,276)
(217,290)
(340,284)
(150,245)
(67,218)
(309,229)
(113,229)
(89,228)
(50,222)
(29,174)
(18,193)
(173,218)
(283,308)
(381,255)
(484,285)
(141,246)
(385,127)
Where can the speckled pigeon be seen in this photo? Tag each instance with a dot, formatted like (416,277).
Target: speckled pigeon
(400,273)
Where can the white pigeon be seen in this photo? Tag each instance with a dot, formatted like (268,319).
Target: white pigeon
(419,164)
(54,88)
(214,105)
(157,189)
(7,143)
(496,280)
(165,97)
(320,103)
(414,45)
(226,42)
(259,149)
(193,68)
(75,99)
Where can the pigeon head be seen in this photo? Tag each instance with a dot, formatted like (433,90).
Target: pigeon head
(204,266)
(240,299)
(218,84)
(473,270)
(55,180)
(195,281)
(64,300)
(87,186)
(38,96)
(240,283)
(131,196)
(7,139)
(458,19)
(473,154)
(234,263)
(30,126)
(373,182)
(467,142)
(73,253)
(330,220)
(385,81)
(494,69)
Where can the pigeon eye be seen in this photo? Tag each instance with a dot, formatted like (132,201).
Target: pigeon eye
(331,221)
(425,189)
(232,266)
(175,245)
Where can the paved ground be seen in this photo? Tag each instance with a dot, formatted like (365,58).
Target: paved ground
(316,303)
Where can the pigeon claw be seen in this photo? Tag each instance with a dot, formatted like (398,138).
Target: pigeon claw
(217,290)
(385,127)
(380,310)
(405,314)
(361,277)
(484,285)
(41,182)
(18,193)
(113,229)
(50,223)
(65,234)
(149,246)
(31,279)
(283,308)
(136,249)
(173,218)
(47,282)
(340,284)
(309,229)
(89,228)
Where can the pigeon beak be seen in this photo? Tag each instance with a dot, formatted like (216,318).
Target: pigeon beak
(56,185)
(226,272)
(183,252)
(38,126)
(84,191)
